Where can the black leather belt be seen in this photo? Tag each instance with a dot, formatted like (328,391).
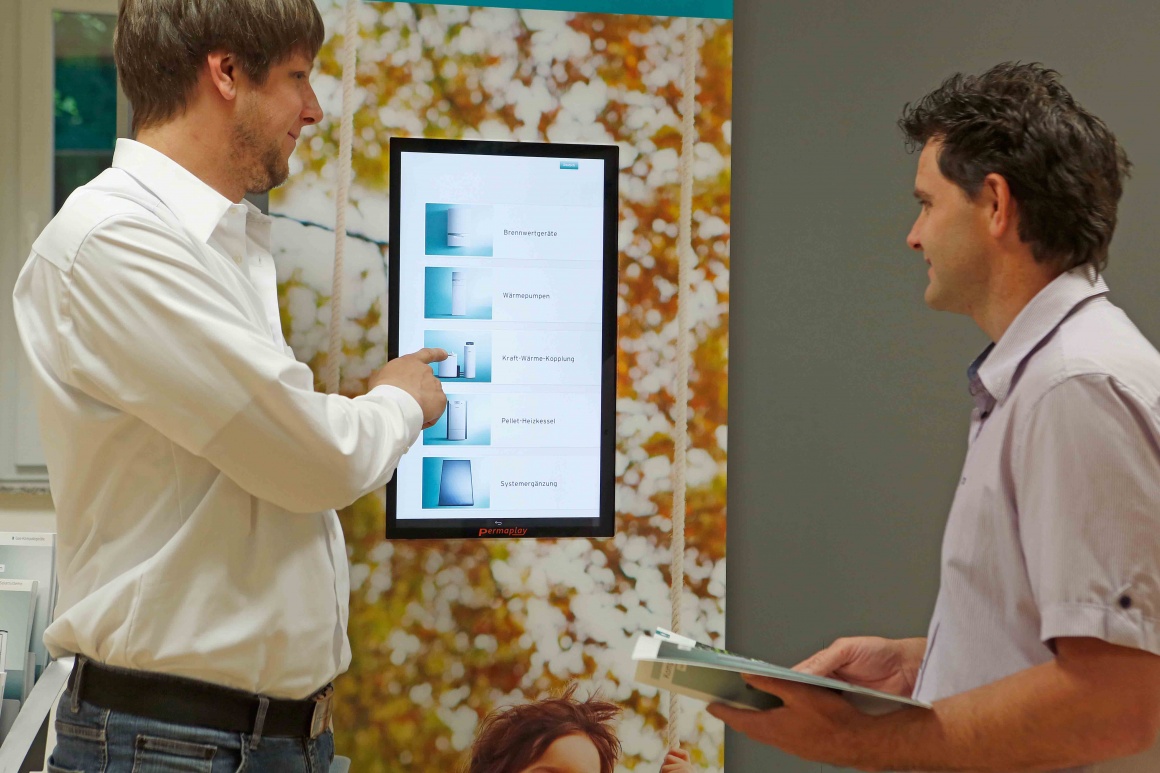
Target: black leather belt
(185,701)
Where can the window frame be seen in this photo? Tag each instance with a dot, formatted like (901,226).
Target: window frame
(26,80)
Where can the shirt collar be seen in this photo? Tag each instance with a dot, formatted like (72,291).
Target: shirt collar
(197,206)
(995,368)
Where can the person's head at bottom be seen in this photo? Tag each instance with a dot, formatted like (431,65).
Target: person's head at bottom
(554,735)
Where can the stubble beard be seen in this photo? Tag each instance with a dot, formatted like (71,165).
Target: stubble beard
(956,293)
(939,297)
(933,296)
(260,163)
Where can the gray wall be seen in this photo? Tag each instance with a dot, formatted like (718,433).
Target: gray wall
(848,400)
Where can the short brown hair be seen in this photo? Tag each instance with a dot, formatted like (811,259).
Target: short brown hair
(1063,165)
(160,46)
(510,739)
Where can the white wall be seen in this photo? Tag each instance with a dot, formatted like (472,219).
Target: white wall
(26,512)
(18,511)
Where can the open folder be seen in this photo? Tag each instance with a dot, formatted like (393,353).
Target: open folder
(678,664)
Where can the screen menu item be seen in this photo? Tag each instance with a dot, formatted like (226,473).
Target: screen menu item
(504,254)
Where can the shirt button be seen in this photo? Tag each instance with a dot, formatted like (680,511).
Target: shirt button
(238,259)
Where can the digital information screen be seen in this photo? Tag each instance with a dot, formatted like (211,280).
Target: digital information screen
(505,255)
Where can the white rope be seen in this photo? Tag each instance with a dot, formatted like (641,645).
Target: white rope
(345,140)
(685,261)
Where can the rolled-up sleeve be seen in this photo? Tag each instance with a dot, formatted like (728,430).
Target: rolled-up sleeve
(1087,482)
(152,333)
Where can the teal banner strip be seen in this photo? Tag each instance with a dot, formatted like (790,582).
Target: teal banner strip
(697,9)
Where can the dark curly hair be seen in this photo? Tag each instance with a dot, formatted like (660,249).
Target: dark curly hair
(1062,164)
(512,738)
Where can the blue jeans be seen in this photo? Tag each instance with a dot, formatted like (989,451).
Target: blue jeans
(97,740)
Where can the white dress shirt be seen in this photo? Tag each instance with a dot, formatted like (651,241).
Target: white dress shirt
(193,467)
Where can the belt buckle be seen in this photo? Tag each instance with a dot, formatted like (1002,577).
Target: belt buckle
(320,721)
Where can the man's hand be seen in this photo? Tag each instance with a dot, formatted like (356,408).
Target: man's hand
(814,723)
(412,373)
(677,761)
(887,665)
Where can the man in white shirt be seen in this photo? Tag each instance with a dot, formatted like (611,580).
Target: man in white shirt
(194,469)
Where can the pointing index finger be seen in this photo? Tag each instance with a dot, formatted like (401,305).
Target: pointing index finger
(430,355)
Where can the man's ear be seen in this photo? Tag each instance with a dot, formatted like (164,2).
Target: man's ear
(1002,213)
(223,73)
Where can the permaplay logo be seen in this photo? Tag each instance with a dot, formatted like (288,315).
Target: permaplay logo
(502,532)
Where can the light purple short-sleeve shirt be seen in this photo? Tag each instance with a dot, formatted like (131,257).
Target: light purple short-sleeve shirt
(1055,526)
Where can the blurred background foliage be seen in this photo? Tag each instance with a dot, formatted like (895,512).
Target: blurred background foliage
(443,632)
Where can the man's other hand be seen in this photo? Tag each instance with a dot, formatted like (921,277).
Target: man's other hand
(886,665)
(813,723)
(413,374)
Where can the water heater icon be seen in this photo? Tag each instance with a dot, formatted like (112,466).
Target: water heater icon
(458,227)
(458,294)
(469,359)
(448,368)
(456,418)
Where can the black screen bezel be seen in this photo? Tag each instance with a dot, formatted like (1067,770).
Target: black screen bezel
(470,528)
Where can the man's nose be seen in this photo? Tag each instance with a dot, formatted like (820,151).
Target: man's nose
(912,239)
(312,113)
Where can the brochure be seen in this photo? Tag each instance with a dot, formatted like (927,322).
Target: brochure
(17,605)
(32,556)
(678,664)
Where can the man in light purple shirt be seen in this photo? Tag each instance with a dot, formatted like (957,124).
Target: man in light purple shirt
(1043,652)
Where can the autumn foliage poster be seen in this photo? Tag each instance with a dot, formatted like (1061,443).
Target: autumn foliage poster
(445,632)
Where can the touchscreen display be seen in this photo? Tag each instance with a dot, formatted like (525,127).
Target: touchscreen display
(505,255)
